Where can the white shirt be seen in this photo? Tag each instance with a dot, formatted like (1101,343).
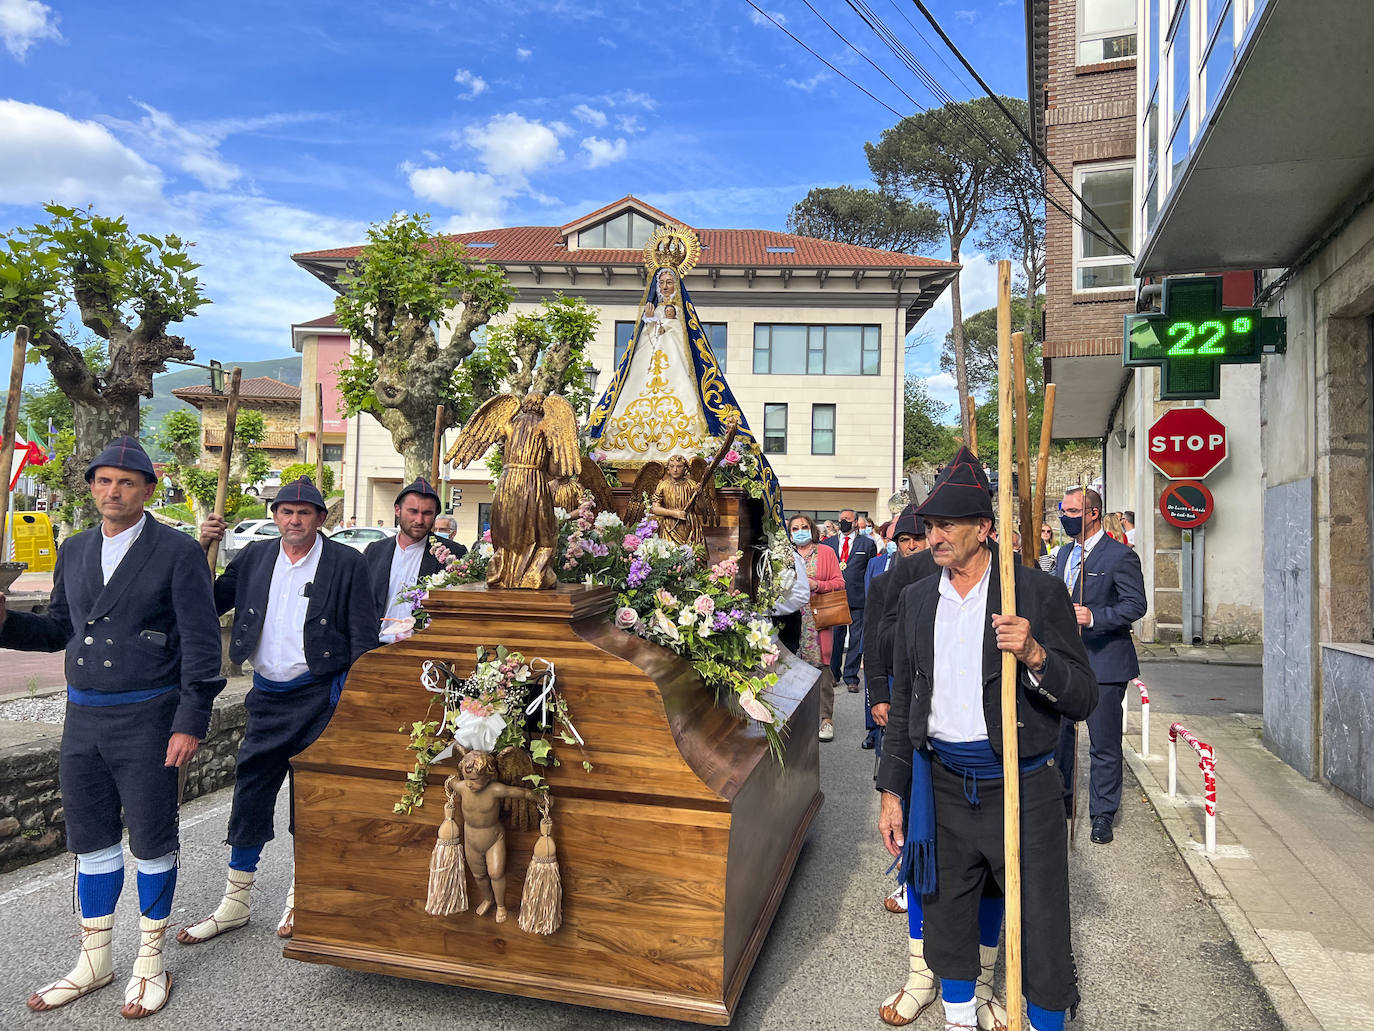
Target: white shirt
(1130,536)
(799,593)
(956,700)
(1088,546)
(113,549)
(280,654)
(405,571)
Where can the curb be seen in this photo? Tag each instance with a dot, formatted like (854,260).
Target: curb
(1200,662)
(1284,998)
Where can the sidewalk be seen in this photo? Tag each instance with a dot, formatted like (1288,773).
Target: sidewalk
(1293,873)
(1217,654)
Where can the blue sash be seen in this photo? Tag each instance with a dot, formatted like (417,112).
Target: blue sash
(336,684)
(79,697)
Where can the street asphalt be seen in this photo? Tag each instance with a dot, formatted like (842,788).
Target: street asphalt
(1151,952)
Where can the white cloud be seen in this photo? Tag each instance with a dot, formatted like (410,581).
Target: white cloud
(71,162)
(806,86)
(606,41)
(942,381)
(561,128)
(25,22)
(590,115)
(629,98)
(761,19)
(474,84)
(511,145)
(478,195)
(603,152)
(523,54)
(629,124)
(966,16)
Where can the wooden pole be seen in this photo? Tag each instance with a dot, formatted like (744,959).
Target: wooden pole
(972,426)
(231,419)
(11,427)
(1042,469)
(438,444)
(319,436)
(1011,764)
(1023,484)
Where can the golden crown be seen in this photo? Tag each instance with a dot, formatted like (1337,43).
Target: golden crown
(672,246)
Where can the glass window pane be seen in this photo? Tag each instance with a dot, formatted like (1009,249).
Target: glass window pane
(1218,65)
(1108,193)
(1217,11)
(623,332)
(1101,16)
(815,351)
(1151,132)
(843,350)
(789,351)
(593,237)
(775,429)
(1179,67)
(1151,204)
(1103,277)
(618,231)
(1178,149)
(1106,48)
(640,231)
(1152,47)
(761,336)
(822,429)
(716,334)
(872,351)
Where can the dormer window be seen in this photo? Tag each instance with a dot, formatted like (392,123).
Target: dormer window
(628,230)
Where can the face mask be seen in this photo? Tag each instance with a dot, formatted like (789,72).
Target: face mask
(441,533)
(801,536)
(892,547)
(846,525)
(1073,525)
(867,531)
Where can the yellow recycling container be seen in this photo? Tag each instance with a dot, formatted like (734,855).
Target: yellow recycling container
(30,537)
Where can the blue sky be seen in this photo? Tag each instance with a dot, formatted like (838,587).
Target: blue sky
(259,129)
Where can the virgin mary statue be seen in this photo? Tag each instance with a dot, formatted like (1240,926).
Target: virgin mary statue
(668,393)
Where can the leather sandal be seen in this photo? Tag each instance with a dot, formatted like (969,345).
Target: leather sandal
(889,1014)
(35,1001)
(135,1010)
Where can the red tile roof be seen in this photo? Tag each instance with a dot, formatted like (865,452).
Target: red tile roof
(259,388)
(625,201)
(330,321)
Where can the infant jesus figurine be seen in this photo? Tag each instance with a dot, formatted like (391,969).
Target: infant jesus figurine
(479,794)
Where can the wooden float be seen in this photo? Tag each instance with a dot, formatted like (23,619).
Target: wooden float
(675,850)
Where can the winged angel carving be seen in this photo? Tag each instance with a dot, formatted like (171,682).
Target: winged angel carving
(538,435)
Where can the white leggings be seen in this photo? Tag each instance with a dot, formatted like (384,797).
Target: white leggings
(109,860)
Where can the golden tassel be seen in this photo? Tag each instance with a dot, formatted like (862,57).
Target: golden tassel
(448,886)
(541,903)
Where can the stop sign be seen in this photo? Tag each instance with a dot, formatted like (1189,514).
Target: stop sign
(1187,443)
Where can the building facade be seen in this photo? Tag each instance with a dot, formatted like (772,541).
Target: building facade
(1271,167)
(322,347)
(1090,63)
(279,403)
(809,333)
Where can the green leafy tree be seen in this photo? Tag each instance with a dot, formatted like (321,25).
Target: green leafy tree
(1015,224)
(127,289)
(866,218)
(398,299)
(179,436)
(950,156)
(296,470)
(980,342)
(926,437)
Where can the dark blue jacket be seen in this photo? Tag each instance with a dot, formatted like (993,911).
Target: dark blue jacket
(152,625)
(378,557)
(1113,589)
(1068,687)
(861,549)
(341,621)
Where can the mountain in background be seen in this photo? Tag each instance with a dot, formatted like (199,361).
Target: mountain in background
(288,370)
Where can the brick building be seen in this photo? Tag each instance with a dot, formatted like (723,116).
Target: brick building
(279,403)
(1089,62)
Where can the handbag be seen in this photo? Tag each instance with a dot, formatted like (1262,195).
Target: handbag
(830,609)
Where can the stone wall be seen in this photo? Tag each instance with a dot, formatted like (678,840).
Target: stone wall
(31,813)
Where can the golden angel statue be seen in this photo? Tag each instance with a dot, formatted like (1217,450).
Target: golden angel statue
(538,435)
(684,505)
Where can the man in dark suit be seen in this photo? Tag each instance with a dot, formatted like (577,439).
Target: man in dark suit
(943,751)
(909,535)
(132,605)
(400,562)
(854,549)
(1104,580)
(303,614)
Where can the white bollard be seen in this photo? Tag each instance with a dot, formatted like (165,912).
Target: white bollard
(1125,706)
(1173,766)
(1145,727)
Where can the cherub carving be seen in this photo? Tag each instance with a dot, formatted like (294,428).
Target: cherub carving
(479,795)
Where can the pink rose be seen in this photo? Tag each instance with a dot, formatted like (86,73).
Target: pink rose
(632,542)
(626,617)
(732,457)
(704,605)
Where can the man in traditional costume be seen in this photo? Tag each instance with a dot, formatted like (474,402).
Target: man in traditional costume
(945,742)
(303,614)
(400,562)
(132,604)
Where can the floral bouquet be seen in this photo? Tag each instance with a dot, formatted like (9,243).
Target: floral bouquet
(739,467)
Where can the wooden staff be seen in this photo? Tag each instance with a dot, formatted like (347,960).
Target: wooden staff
(231,419)
(972,426)
(438,444)
(319,436)
(21,347)
(1042,470)
(1023,484)
(1011,762)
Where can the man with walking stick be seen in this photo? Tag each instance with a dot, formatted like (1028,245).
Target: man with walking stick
(945,745)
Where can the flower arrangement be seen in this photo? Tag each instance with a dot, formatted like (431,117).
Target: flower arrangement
(739,468)
(490,709)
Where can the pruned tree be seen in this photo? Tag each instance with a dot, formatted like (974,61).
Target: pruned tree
(1015,223)
(127,289)
(414,302)
(950,155)
(179,435)
(980,349)
(866,218)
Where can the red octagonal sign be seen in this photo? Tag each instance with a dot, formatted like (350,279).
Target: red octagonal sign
(1187,443)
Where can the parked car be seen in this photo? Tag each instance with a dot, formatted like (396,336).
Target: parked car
(267,487)
(359,537)
(245,533)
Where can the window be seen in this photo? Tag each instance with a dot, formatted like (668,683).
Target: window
(715,333)
(627,230)
(775,429)
(1217,63)
(1178,62)
(483,518)
(333,452)
(787,350)
(822,429)
(1106,30)
(623,332)
(1098,263)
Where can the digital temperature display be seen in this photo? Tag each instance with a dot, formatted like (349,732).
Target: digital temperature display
(1156,337)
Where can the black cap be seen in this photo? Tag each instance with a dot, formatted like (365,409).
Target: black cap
(424,489)
(909,523)
(961,491)
(302,490)
(123,453)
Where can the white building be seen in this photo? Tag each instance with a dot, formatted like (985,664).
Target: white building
(810,335)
